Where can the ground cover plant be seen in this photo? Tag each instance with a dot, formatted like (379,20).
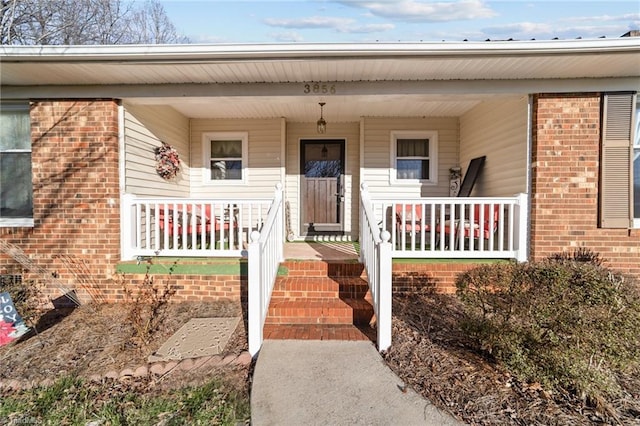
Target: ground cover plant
(73,401)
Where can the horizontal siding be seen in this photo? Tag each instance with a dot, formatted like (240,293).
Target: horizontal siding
(348,131)
(145,128)
(377,155)
(264,151)
(497,129)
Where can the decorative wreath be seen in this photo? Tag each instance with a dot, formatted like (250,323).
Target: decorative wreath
(167,161)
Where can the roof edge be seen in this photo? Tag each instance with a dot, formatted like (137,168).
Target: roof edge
(186,52)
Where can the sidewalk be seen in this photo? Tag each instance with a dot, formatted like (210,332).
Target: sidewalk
(333,383)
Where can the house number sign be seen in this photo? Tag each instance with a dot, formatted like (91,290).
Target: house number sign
(319,89)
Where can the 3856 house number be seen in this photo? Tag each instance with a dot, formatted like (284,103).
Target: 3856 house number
(319,89)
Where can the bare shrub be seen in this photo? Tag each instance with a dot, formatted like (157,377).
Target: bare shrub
(147,307)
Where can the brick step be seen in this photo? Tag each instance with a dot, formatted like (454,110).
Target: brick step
(321,268)
(305,287)
(319,311)
(318,332)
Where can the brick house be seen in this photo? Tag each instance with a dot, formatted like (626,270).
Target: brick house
(353,142)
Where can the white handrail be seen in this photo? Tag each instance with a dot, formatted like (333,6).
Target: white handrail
(375,254)
(266,251)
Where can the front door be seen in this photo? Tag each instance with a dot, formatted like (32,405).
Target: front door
(322,168)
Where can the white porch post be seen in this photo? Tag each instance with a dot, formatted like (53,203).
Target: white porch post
(254,294)
(385,278)
(127,228)
(523,228)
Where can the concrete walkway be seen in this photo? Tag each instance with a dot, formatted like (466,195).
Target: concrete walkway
(333,383)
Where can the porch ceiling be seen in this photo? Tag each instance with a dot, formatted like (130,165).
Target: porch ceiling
(305,109)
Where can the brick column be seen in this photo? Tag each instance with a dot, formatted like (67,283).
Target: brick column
(565,183)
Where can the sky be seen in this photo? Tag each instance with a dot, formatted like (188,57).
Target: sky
(324,21)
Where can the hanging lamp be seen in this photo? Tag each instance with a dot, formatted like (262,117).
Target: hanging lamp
(321,124)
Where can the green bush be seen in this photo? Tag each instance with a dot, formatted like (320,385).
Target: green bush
(567,322)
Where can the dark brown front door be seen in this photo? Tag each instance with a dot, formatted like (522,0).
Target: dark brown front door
(322,168)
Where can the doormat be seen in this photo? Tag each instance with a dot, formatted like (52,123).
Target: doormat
(197,338)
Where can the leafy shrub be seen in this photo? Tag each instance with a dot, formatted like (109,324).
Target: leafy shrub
(566,322)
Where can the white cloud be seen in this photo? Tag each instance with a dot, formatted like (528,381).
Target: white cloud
(289,36)
(311,22)
(365,29)
(341,25)
(418,11)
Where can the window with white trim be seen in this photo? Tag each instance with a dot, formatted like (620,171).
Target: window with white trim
(225,157)
(636,170)
(16,188)
(414,156)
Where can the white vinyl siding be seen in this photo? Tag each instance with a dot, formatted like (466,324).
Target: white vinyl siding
(497,129)
(377,155)
(350,132)
(145,128)
(264,153)
(616,165)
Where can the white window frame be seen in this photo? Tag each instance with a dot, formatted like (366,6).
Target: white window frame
(432,135)
(635,150)
(20,221)
(206,156)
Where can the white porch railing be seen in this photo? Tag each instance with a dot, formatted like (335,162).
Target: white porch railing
(475,227)
(375,254)
(266,251)
(195,227)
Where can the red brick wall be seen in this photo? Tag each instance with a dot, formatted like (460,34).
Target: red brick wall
(565,182)
(431,276)
(76,237)
(75,194)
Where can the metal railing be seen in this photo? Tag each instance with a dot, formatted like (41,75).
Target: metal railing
(475,227)
(375,254)
(189,227)
(266,251)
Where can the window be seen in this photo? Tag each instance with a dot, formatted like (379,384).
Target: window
(225,157)
(16,189)
(414,157)
(636,170)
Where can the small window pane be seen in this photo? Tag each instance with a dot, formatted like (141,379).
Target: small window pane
(413,169)
(226,149)
(226,170)
(16,193)
(413,148)
(15,128)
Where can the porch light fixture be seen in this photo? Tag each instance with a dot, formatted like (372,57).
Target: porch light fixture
(322,125)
